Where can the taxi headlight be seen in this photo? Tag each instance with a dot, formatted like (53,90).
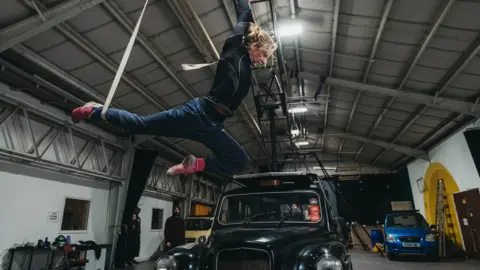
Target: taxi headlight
(166,263)
(329,262)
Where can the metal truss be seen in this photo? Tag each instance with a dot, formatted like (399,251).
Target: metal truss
(204,192)
(27,137)
(160,182)
(200,191)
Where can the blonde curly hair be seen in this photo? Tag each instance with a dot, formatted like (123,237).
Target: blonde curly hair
(260,39)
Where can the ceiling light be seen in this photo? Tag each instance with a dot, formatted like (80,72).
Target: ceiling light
(297,110)
(326,168)
(290,30)
(302,143)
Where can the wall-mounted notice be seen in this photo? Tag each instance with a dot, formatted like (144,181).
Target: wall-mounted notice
(53,216)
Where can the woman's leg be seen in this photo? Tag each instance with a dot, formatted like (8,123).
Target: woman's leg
(171,123)
(230,158)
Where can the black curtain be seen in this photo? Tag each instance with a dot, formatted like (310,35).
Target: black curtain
(142,165)
(473,141)
(369,198)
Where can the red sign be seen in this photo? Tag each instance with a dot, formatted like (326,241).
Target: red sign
(314,211)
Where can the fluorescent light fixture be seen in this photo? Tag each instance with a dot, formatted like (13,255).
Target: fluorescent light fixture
(297,110)
(290,30)
(295,132)
(302,143)
(326,168)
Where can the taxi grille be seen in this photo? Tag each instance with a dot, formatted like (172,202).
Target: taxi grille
(243,259)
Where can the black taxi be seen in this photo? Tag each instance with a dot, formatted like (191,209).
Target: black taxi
(275,221)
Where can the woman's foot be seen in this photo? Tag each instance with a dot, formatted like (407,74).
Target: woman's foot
(189,165)
(84,112)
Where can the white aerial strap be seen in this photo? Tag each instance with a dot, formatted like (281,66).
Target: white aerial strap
(123,63)
(197,66)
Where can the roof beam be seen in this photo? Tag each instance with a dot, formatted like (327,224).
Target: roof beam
(35,25)
(336,13)
(446,104)
(369,64)
(419,54)
(347,136)
(399,148)
(444,83)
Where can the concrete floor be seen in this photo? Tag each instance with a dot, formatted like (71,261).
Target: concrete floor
(365,260)
(368,261)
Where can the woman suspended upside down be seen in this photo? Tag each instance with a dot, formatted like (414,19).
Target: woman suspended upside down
(202,119)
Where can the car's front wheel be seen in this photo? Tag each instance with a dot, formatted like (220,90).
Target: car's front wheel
(390,256)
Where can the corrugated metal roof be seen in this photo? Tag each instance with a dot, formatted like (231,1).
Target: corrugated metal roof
(411,46)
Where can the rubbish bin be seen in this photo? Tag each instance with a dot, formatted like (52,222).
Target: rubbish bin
(377,237)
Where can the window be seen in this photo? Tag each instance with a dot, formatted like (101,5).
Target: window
(193,224)
(75,215)
(157,219)
(406,221)
(270,208)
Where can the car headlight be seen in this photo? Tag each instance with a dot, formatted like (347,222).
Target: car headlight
(390,238)
(202,239)
(430,238)
(329,262)
(166,263)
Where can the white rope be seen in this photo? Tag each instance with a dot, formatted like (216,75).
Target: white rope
(197,66)
(123,63)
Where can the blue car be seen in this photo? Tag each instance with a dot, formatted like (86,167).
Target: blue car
(407,232)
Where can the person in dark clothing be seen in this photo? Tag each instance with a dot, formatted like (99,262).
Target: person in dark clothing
(174,230)
(202,119)
(133,240)
(138,225)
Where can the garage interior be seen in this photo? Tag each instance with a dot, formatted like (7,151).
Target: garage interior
(381,95)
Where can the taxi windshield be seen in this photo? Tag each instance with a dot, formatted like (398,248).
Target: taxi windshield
(193,224)
(275,207)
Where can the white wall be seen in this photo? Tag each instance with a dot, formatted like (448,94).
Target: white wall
(453,154)
(151,239)
(26,196)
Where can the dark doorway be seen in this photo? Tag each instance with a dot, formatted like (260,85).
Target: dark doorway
(471,136)
(467,204)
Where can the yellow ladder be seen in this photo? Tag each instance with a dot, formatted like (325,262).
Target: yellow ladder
(440,217)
